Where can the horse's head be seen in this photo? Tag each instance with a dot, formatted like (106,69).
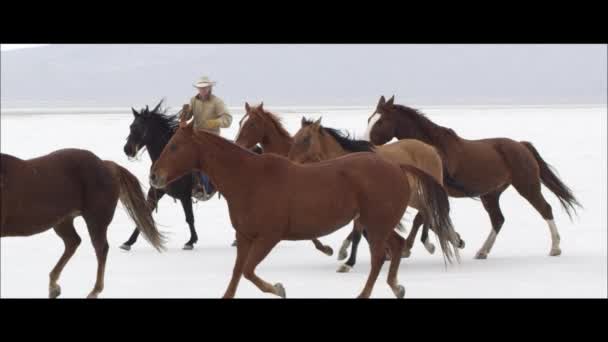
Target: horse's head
(251,127)
(179,157)
(307,142)
(139,135)
(382,124)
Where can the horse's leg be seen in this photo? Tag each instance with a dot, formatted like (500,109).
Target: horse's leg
(154,195)
(424,238)
(342,254)
(396,244)
(378,251)
(187,205)
(242,251)
(490,203)
(532,193)
(71,240)
(98,231)
(259,249)
(323,248)
(358,230)
(409,242)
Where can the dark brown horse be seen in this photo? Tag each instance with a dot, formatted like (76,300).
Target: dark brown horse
(50,191)
(261,127)
(485,167)
(272,199)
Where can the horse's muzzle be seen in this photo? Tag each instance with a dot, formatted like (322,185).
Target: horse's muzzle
(130,150)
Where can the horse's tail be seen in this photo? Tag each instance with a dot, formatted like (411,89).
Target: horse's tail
(551,181)
(436,205)
(138,209)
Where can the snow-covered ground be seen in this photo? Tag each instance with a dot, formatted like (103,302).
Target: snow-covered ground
(572,139)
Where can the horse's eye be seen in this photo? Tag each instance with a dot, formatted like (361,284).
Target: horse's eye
(173,147)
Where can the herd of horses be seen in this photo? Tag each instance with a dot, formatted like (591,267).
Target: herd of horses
(299,187)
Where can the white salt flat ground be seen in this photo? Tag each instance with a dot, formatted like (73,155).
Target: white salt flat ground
(572,139)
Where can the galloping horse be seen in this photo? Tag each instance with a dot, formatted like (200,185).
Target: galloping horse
(152,130)
(272,199)
(50,191)
(262,127)
(314,142)
(484,167)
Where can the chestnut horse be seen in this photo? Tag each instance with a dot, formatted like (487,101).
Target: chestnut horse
(313,143)
(261,127)
(484,167)
(50,191)
(272,199)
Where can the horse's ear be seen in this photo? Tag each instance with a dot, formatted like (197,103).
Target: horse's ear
(247,108)
(183,122)
(304,122)
(155,110)
(391,101)
(382,101)
(317,123)
(135,113)
(261,106)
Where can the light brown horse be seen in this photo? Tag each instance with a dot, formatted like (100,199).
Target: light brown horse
(272,199)
(314,142)
(485,167)
(50,191)
(261,127)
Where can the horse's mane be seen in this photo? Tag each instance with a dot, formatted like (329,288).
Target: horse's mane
(167,122)
(276,122)
(344,139)
(221,142)
(432,130)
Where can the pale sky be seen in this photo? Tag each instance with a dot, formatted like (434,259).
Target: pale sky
(6,47)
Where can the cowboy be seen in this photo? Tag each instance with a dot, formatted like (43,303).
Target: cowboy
(210,114)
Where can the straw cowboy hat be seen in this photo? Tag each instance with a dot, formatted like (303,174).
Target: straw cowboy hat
(204,82)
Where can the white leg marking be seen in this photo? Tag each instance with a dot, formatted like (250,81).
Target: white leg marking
(555,250)
(487,246)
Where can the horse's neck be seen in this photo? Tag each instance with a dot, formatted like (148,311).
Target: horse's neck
(274,142)
(155,148)
(435,135)
(332,149)
(225,163)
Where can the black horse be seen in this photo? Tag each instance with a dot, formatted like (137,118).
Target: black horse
(153,129)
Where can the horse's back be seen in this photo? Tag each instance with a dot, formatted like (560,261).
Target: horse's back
(40,192)
(417,153)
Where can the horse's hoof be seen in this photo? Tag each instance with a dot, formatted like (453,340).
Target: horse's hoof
(555,252)
(54,292)
(233,243)
(280,290)
(344,268)
(188,247)
(461,244)
(328,251)
(406,253)
(93,295)
(125,247)
(399,291)
(481,256)
(430,248)
(342,254)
